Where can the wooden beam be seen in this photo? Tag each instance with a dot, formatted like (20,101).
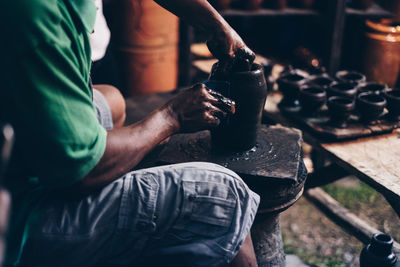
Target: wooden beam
(325,175)
(343,217)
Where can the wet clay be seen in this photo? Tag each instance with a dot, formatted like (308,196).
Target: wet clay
(248,90)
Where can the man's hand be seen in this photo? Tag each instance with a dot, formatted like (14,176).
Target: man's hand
(224,43)
(230,49)
(199,108)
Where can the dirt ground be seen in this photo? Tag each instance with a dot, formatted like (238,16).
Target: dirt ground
(309,234)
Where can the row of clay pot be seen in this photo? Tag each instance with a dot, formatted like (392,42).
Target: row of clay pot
(347,93)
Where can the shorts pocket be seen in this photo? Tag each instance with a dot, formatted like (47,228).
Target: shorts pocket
(207,209)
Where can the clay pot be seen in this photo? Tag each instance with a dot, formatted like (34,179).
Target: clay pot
(350,77)
(342,89)
(381,55)
(220,4)
(276,4)
(340,109)
(249,90)
(322,80)
(312,98)
(362,4)
(371,107)
(376,88)
(393,103)
(145,38)
(252,4)
(268,66)
(379,252)
(289,84)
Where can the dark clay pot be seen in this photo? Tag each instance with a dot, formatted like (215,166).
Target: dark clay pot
(289,84)
(312,98)
(350,77)
(322,80)
(342,89)
(340,109)
(393,103)
(370,106)
(379,253)
(376,88)
(249,90)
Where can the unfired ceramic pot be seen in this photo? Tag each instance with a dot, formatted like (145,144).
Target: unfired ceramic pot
(370,107)
(340,109)
(249,91)
(312,98)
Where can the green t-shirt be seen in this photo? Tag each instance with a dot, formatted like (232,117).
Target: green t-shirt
(46,96)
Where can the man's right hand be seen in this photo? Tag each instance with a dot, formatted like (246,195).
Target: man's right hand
(198,108)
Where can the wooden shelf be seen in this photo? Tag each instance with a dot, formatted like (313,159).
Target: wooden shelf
(373,12)
(270,12)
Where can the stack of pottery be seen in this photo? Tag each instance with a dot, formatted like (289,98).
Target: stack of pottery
(344,95)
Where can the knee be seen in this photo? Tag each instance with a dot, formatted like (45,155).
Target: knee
(116,102)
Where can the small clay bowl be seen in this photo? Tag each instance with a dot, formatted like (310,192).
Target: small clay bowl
(289,84)
(340,109)
(393,103)
(350,77)
(312,98)
(322,80)
(370,106)
(376,88)
(342,89)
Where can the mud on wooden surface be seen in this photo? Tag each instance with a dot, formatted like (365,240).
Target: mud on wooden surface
(276,155)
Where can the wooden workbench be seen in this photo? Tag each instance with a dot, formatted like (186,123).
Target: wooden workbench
(375,160)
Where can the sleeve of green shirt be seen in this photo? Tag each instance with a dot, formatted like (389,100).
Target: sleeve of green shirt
(62,138)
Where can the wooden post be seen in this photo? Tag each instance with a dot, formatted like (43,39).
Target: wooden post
(336,17)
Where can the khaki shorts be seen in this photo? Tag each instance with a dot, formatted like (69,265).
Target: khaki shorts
(191,214)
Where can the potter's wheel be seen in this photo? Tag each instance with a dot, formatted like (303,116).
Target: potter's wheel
(276,155)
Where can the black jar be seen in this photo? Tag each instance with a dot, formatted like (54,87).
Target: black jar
(379,253)
(249,91)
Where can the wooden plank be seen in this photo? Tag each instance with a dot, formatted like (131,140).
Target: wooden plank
(376,159)
(340,215)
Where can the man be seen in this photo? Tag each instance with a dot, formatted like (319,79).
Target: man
(75,201)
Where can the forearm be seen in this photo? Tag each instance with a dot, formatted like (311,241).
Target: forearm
(198,13)
(127,146)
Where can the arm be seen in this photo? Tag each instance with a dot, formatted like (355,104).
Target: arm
(192,110)
(223,42)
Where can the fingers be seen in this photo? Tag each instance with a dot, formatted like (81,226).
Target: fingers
(224,103)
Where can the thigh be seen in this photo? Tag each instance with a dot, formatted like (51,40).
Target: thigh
(73,232)
(198,214)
